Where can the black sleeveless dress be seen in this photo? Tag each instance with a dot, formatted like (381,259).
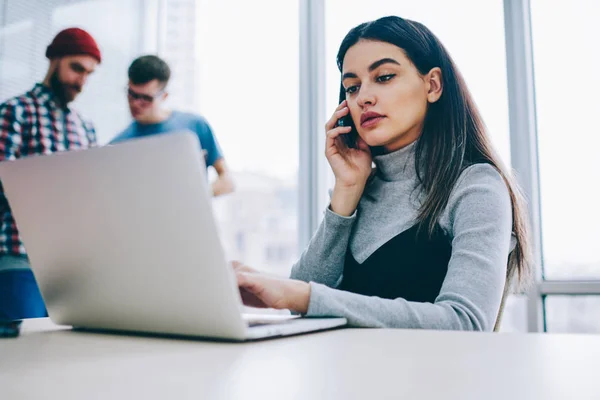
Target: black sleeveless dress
(411,265)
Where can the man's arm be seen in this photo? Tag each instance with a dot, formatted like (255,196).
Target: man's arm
(11,131)
(213,156)
(224,183)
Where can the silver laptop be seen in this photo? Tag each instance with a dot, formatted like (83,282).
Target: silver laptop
(123,238)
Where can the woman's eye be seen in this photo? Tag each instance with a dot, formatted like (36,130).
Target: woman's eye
(351,89)
(385,78)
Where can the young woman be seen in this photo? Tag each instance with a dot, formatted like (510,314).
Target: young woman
(434,234)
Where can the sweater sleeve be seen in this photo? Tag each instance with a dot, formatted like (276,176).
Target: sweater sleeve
(323,259)
(479,220)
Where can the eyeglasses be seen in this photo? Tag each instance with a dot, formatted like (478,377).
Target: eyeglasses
(146,99)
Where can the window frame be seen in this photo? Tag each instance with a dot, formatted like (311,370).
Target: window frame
(524,154)
(523,139)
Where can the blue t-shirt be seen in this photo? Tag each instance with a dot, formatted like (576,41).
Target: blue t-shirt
(177,122)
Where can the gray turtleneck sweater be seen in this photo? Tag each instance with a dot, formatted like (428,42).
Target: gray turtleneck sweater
(477,220)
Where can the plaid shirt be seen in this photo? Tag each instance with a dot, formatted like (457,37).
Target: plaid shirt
(35,123)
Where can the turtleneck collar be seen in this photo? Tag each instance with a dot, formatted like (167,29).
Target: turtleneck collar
(397,165)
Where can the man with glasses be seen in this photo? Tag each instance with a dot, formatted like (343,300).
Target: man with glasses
(40,121)
(146,93)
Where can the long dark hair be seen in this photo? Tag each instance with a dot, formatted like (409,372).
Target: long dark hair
(454,135)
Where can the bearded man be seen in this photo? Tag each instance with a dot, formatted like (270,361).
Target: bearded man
(41,121)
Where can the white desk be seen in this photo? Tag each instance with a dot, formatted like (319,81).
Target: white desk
(342,364)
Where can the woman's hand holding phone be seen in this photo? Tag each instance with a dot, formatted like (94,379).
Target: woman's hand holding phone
(351,166)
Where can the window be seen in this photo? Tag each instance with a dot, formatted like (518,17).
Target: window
(103,100)
(248,92)
(177,45)
(240,69)
(574,314)
(472,43)
(18,49)
(567,107)
(27,29)
(514,318)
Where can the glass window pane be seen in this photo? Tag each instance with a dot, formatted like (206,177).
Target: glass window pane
(19,37)
(177,45)
(248,91)
(567,108)
(30,26)
(574,314)
(472,42)
(103,100)
(514,318)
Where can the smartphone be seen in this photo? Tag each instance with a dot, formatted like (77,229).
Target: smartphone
(349,138)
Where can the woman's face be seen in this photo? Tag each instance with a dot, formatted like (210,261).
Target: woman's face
(386,95)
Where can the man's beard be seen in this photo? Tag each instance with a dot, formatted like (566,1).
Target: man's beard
(61,90)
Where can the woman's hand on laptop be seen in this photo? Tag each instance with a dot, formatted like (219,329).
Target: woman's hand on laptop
(264,291)
(241,267)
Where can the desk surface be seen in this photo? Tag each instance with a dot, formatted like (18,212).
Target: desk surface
(51,362)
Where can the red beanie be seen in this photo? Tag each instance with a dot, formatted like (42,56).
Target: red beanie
(73,41)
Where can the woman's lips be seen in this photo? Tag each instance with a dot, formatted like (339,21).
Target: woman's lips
(370,122)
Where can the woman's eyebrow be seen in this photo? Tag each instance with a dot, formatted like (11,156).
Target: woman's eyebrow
(372,67)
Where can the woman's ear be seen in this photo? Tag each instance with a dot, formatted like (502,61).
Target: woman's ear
(434,84)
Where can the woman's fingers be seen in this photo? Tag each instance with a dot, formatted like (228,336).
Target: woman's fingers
(250,299)
(239,266)
(243,280)
(335,132)
(339,112)
(250,289)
